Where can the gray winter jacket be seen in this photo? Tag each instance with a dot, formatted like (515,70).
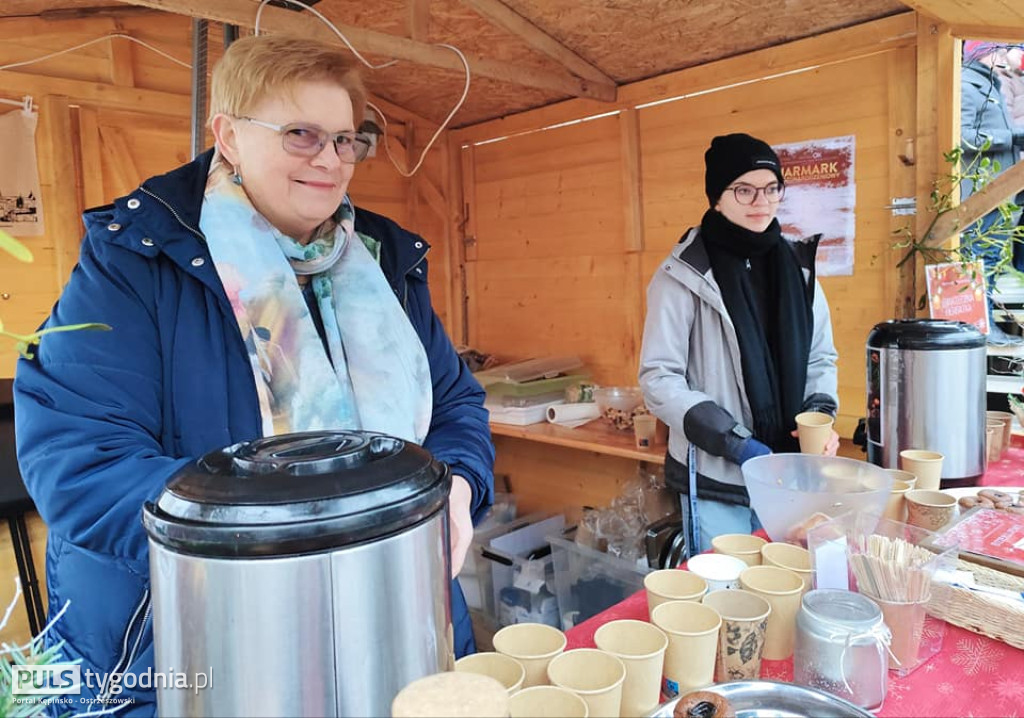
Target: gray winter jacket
(691,355)
(985,116)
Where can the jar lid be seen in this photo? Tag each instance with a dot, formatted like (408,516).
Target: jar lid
(297,493)
(852,610)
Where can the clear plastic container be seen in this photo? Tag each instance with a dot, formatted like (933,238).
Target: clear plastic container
(619,405)
(524,371)
(589,581)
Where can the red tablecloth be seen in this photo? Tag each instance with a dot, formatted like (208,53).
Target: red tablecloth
(972,676)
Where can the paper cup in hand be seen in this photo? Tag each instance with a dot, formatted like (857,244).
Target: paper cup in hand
(814,429)
(641,648)
(925,465)
(593,675)
(533,645)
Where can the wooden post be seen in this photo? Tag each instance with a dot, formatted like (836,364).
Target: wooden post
(61,210)
(899,280)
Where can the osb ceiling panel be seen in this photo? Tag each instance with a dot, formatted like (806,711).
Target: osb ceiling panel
(634,39)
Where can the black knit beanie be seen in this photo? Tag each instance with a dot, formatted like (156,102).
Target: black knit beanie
(733,155)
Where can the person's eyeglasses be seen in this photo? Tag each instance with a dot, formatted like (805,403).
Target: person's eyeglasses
(747,194)
(309,140)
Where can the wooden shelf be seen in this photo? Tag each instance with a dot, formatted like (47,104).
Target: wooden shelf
(594,436)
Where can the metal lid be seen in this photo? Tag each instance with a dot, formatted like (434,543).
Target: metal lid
(918,334)
(850,610)
(298,493)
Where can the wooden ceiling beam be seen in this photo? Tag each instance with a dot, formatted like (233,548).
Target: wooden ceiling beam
(1001,33)
(397,112)
(997,13)
(508,19)
(1003,188)
(243,13)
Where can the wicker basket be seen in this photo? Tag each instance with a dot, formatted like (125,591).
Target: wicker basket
(981,613)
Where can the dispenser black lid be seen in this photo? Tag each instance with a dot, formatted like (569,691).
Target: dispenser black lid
(925,334)
(298,493)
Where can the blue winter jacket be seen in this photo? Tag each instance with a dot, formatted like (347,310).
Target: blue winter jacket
(104,419)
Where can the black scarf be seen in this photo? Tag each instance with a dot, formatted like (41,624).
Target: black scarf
(769,302)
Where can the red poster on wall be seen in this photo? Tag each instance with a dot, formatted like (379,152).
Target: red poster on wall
(956,290)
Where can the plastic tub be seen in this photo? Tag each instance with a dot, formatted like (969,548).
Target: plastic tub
(791,493)
(618,404)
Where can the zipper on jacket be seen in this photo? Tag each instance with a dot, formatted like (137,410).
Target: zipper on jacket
(405,287)
(128,655)
(177,216)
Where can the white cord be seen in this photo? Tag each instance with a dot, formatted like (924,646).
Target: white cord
(458,106)
(93,42)
(341,36)
(263,4)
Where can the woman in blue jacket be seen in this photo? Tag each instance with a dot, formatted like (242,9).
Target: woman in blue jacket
(248,297)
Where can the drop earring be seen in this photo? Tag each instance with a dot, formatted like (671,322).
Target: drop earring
(236,177)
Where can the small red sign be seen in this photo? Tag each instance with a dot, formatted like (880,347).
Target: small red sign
(956,291)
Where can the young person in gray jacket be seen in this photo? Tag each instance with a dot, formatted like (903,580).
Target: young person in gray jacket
(738,338)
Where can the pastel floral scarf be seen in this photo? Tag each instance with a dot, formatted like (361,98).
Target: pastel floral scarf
(377,376)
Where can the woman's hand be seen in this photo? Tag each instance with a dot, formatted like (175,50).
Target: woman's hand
(460,522)
(831,448)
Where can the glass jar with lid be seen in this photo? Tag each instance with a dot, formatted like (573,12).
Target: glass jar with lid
(841,647)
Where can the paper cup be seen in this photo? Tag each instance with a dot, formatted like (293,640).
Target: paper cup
(925,465)
(719,570)
(641,648)
(672,584)
(896,506)
(546,702)
(506,670)
(783,589)
(1007,418)
(994,439)
(593,675)
(533,645)
(692,631)
(460,695)
(930,510)
(813,429)
(741,638)
(745,547)
(904,476)
(792,558)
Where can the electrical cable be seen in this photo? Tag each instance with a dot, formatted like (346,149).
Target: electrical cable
(146,45)
(341,36)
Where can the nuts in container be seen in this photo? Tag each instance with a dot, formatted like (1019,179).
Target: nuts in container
(619,405)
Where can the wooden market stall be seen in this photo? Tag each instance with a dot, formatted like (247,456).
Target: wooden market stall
(573,167)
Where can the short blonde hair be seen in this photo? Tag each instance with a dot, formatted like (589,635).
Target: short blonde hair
(255,67)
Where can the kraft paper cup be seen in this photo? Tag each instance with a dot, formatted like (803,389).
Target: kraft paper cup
(719,570)
(930,510)
(813,429)
(593,675)
(533,645)
(460,695)
(783,589)
(994,439)
(745,547)
(693,632)
(672,584)
(896,506)
(741,638)
(925,465)
(506,670)
(905,476)
(790,557)
(547,702)
(1006,417)
(641,648)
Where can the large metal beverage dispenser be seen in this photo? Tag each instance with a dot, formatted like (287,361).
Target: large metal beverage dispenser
(307,573)
(926,390)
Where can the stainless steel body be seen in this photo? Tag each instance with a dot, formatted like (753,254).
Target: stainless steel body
(332,634)
(927,397)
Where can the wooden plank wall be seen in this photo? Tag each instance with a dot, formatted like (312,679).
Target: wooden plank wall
(568,224)
(113,114)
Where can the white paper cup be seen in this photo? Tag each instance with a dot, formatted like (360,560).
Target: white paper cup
(533,645)
(641,648)
(547,702)
(692,630)
(505,669)
(593,675)
(745,547)
(672,584)
(925,465)
(719,570)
